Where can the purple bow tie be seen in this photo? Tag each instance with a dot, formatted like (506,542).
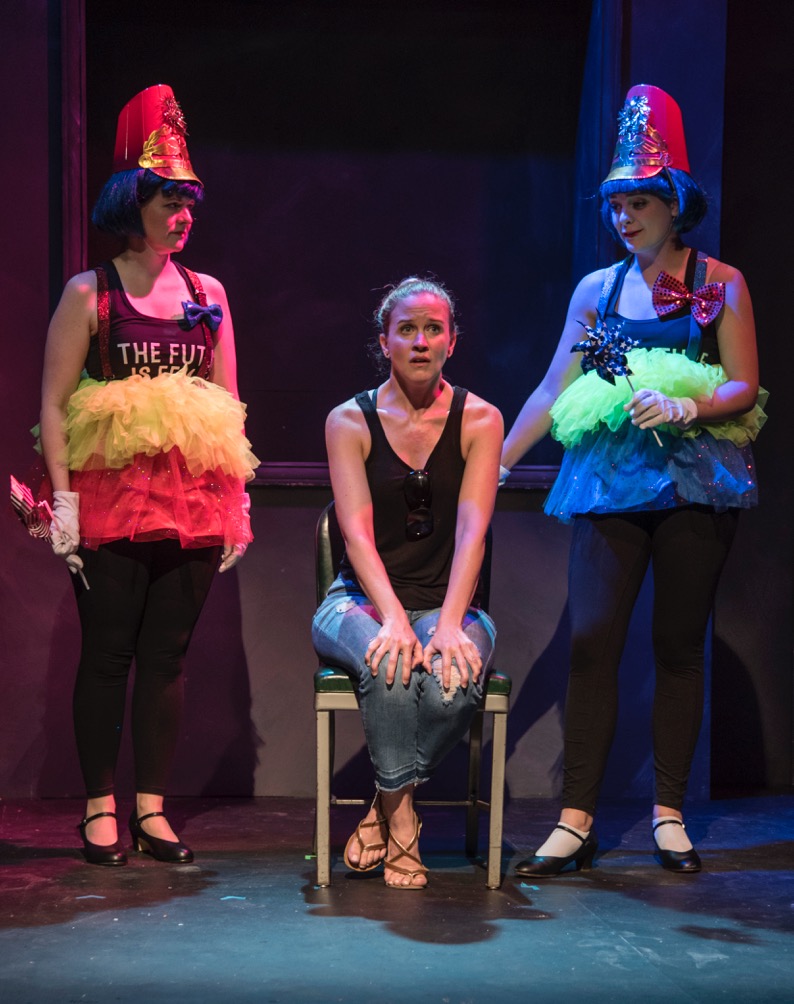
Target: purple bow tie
(211,315)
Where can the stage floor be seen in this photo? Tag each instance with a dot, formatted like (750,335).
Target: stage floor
(245,922)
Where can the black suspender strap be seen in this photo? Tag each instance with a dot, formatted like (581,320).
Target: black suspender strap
(695,278)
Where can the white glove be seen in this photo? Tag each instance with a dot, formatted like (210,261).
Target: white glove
(232,553)
(504,474)
(649,408)
(65,530)
(65,526)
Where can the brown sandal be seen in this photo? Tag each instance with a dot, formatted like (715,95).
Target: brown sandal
(358,837)
(405,852)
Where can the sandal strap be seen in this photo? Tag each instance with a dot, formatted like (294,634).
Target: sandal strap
(413,872)
(360,837)
(380,819)
(405,852)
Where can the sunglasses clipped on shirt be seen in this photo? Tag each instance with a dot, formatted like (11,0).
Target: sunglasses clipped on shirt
(418,492)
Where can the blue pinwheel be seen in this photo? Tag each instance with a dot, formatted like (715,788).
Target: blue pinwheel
(604,350)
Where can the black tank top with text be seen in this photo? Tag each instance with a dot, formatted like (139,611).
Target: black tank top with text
(139,344)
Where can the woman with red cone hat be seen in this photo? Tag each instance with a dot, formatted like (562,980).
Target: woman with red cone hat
(656,404)
(142,435)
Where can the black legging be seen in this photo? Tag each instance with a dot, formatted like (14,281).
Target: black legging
(609,557)
(144,601)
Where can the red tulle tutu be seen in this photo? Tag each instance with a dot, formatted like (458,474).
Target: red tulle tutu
(156,497)
(158,458)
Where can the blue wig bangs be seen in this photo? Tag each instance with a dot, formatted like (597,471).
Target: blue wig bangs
(118,208)
(670,186)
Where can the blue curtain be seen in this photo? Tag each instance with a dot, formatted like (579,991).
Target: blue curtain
(602,95)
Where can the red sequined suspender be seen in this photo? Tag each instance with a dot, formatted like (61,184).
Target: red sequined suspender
(103,321)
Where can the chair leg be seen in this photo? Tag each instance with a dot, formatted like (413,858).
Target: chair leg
(496,823)
(473,791)
(325,724)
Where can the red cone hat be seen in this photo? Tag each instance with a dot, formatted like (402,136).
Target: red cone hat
(151,133)
(650,135)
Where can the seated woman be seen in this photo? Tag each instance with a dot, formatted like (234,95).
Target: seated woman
(414,468)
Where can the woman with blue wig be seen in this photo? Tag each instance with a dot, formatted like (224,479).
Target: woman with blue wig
(142,436)
(653,391)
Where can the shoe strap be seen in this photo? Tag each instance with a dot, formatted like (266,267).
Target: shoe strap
(664,820)
(148,815)
(97,815)
(376,804)
(568,829)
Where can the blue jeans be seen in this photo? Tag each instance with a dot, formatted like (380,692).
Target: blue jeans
(409,729)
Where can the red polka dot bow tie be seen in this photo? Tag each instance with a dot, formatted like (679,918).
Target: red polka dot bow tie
(668,294)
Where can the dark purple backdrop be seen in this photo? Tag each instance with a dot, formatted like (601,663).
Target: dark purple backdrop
(343,146)
(346,145)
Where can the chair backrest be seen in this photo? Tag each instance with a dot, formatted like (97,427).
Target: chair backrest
(329,546)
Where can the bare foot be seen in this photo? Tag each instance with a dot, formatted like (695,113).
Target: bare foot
(366,847)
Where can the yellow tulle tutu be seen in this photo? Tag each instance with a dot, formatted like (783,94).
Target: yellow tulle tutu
(591,401)
(108,424)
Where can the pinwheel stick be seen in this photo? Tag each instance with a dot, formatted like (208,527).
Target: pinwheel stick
(655,433)
(79,571)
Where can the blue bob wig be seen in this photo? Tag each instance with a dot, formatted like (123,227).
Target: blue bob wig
(118,208)
(671,185)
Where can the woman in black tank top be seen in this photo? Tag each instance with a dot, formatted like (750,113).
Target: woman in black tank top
(414,468)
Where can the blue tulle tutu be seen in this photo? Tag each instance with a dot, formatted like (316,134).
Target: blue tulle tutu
(626,470)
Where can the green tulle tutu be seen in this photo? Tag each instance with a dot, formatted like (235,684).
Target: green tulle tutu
(590,401)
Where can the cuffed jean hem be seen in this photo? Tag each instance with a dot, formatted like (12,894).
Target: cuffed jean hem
(407,780)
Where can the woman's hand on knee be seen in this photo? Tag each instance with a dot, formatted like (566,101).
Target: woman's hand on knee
(394,641)
(453,644)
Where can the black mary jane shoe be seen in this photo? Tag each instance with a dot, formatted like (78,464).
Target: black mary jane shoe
(681,862)
(101,854)
(543,866)
(173,851)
